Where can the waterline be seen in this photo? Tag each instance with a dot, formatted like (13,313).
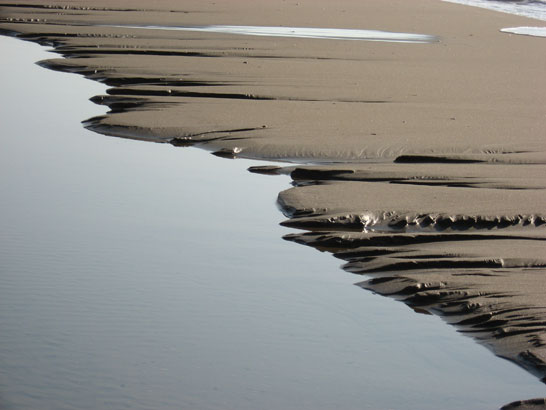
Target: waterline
(535,9)
(145,276)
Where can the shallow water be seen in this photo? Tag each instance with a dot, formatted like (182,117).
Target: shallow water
(304,32)
(526,31)
(145,276)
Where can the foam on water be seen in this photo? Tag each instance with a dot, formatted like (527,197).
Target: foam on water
(534,9)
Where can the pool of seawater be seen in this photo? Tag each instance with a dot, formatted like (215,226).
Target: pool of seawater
(139,275)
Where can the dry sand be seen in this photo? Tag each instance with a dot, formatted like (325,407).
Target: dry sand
(425,162)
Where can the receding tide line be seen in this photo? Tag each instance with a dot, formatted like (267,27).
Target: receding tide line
(303,32)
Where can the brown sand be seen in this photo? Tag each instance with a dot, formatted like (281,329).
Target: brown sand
(429,159)
(369,100)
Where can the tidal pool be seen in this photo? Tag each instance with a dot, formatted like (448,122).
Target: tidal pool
(139,275)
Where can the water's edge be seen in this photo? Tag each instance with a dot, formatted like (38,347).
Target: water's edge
(347,247)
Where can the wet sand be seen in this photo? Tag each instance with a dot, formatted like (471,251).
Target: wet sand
(425,162)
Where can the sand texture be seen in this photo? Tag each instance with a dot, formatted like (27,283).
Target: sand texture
(422,165)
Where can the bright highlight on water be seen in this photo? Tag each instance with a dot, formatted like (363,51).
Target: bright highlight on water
(528,31)
(304,32)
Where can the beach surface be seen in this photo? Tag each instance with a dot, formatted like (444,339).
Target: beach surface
(422,164)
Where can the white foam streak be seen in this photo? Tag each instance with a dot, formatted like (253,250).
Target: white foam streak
(304,32)
(527,31)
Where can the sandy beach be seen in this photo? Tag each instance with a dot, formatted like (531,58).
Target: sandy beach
(421,164)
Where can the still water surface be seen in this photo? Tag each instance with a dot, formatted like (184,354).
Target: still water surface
(143,276)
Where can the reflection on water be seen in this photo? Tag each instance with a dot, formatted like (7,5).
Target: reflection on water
(144,276)
(304,32)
